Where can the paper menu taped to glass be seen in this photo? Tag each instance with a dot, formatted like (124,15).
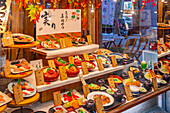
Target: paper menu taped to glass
(57,98)
(18,96)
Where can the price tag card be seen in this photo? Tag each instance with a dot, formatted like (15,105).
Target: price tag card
(7,69)
(57,98)
(89,39)
(164,47)
(39,77)
(86,57)
(99,105)
(71,59)
(100,65)
(51,64)
(63,74)
(128,93)
(84,68)
(155,84)
(86,90)
(99,52)
(130,73)
(62,43)
(114,61)
(111,82)
(18,96)
(82,79)
(68,42)
(7,39)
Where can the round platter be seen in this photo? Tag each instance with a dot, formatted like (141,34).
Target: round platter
(22,42)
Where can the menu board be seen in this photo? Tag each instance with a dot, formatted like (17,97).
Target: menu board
(59,21)
(4,12)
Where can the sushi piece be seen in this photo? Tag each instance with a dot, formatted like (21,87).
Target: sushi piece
(23,69)
(26,87)
(13,66)
(25,92)
(24,62)
(27,67)
(18,69)
(25,83)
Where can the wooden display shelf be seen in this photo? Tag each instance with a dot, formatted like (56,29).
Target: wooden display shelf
(139,100)
(49,54)
(163,28)
(33,44)
(163,54)
(2,108)
(17,76)
(26,101)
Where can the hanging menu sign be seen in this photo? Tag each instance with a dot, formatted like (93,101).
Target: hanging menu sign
(63,74)
(155,84)
(59,21)
(71,59)
(128,93)
(18,96)
(89,39)
(51,64)
(7,69)
(57,98)
(84,68)
(86,90)
(99,105)
(114,61)
(100,65)
(39,77)
(7,39)
(4,12)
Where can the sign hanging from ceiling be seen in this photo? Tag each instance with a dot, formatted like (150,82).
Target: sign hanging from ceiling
(59,21)
(4,12)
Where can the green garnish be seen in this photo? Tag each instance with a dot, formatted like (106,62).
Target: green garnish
(69,93)
(70,65)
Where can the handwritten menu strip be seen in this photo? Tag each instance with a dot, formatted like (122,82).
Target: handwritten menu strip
(63,74)
(62,43)
(82,79)
(86,57)
(130,73)
(128,93)
(39,77)
(68,42)
(7,69)
(51,64)
(7,39)
(86,90)
(18,96)
(99,52)
(99,105)
(89,39)
(164,47)
(155,84)
(84,68)
(100,65)
(114,61)
(111,83)
(57,98)
(71,59)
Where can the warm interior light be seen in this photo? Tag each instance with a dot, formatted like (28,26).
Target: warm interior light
(115,0)
(163,0)
(132,12)
(92,9)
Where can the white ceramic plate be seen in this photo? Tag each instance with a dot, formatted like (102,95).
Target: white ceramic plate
(23,42)
(91,95)
(6,98)
(58,47)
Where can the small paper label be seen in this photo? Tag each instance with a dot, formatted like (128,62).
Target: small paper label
(155,84)
(71,59)
(158,49)
(86,90)
(100,65)
(84,68)
(86,57)
(114,61)
(111,83)
(7,69)
(57,98)
(161,40)
(128,93)
(89,39)
(7,39)
(51,64)
(39,77)
(63,74)
(62,43)
(18,96)
(82,79)
(68,42)
(130,74)
(99,105)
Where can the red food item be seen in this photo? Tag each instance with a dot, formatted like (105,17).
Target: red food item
(59,109)
(57,63)
(70,98)
(18,64)
(50,75)
(27,67)
(70,109)
(71,72)
(30,89)
(24,93)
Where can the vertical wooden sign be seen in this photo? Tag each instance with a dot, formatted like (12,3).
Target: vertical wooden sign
(71,59)
(63,74)
(51,64)
(82,79)
(100,65)
(114,61)
(68,42)
(57,98)
(7,69)
(89,39)
(99,105)
(155,83)
(84,68)
(7,39)
(18,96)
(62,43)
(111,82)
(39,77)
(130,73)
(86,90)
(128,93)
(86,57)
